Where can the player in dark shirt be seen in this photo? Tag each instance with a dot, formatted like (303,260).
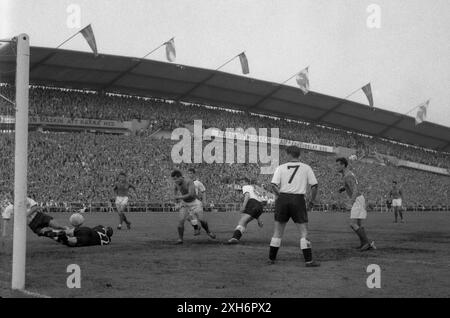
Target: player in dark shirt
(121,191)
(189,206)
(85,236)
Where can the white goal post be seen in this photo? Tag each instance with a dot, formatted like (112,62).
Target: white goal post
(20,162)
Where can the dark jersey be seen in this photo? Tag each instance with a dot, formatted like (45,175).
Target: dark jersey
(121,189)
(351,184)
(395,193)
(184,189)
(87,236)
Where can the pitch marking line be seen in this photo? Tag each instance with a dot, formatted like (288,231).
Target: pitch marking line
(33,294)
(24,291)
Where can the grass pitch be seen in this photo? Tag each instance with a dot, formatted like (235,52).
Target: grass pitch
(414,258)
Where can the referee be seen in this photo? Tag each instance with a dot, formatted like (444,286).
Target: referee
(289,182)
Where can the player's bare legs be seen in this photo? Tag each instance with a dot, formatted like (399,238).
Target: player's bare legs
(185,216)
(194,222)
(305,245)
(205,226)
(395,214)
(53,224)
(4,227)
(400,212)
(365,244)
(122,218)
(180,231)
(241,227)
(275,243)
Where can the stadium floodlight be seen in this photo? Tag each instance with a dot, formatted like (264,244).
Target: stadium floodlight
(22,43)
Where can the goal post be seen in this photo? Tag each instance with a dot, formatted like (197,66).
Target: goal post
(20,161)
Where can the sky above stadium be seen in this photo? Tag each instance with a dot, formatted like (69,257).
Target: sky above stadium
(406,59)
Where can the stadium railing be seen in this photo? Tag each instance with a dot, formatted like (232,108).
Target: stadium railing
(217,207)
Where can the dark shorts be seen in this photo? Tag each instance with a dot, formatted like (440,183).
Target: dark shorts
(290,206)
(40,221)
(254,208)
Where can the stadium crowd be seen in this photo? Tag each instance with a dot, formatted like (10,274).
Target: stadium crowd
(92,105)
(82,167)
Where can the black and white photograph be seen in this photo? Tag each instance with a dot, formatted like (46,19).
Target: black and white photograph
(222,154)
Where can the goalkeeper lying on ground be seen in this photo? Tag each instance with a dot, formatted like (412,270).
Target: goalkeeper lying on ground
(84,236)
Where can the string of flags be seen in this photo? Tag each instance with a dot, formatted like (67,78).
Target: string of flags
(367,89)
(422,112)
(244,63)
(302,78)
(88,35)
(170,50)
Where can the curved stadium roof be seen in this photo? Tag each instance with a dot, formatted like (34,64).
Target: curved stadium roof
(127,75)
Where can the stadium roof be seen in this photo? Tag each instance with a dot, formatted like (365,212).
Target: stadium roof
(128,75)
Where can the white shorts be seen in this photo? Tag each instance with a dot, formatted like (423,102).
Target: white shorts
(358,210)
(8,212)
(191,210)
(121,202)
(397,202)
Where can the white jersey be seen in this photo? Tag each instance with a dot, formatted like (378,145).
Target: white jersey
(253,193)
(294,177)
(8,211)
(199,188)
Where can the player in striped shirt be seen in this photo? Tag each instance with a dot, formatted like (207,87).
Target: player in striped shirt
(251,209)
(289,183)
(358,211)
(200,192)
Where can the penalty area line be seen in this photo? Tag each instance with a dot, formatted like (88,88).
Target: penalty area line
(33,294)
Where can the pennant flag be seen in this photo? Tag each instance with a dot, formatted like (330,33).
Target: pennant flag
(422,112)
(368,91)
(303,80)
(88,34)
(244,63)
(170,50)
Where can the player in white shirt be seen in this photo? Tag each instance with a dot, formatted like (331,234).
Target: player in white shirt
(39,222)
(7,212)
(200,192)
(290,182)
(251,209)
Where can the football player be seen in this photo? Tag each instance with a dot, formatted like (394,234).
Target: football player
(251,209)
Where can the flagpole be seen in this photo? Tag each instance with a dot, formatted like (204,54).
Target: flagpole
(413,109)
(293,76)
(70,38)
(7,99)
(352,93)
(279,86)
(228,61)
(164,43)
